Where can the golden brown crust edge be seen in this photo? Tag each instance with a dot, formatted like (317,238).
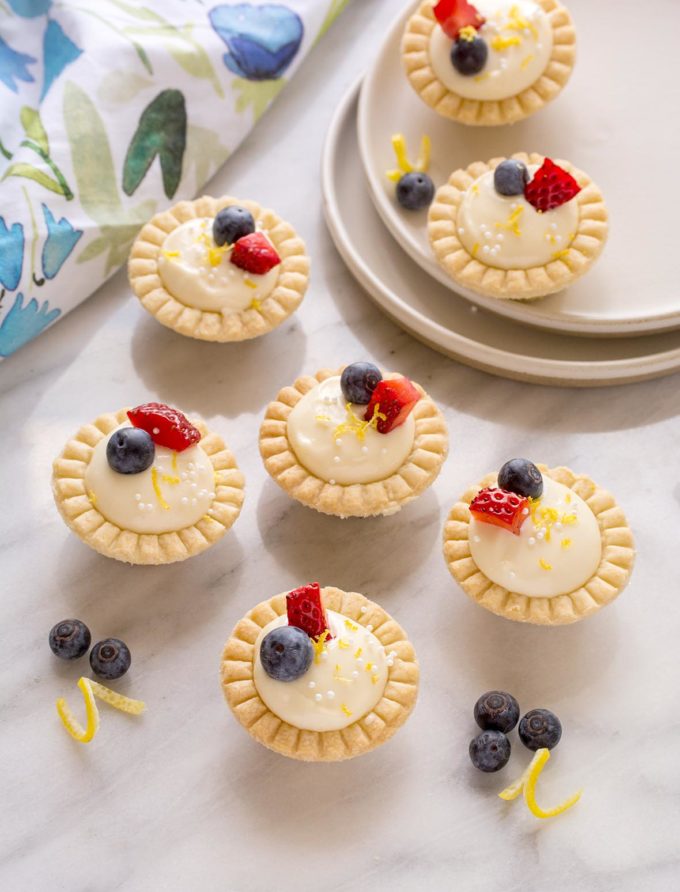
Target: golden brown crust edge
(81,516)
(370,731)
(147,284)
(608,581)
(487,113)
(430,448)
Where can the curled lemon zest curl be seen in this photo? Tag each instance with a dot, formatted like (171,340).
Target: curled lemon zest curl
(403,163)
(91,689)
(527,784)
(354,425)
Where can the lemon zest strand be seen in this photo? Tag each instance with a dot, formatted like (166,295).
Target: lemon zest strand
(92,498)
(353,627)
(345,709)
(469,32)
(500,43)
(526,61)
(544,564)
(168,478)
(354,425)
(249,283)
(423,160)
(170,254)
(319,645)
(255,304)
(527,784)
(173,464)
(157,490)
(91,689)
(401,152)
(512,223)
(342,644)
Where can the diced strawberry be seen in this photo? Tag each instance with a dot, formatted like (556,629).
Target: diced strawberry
(166,425)
(394,398)
(501,508)
(255,254)
(453,15)
(305,610)
(550,187)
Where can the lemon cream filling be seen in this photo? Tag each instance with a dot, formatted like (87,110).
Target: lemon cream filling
(507,232)
(331,439)
(346,680)
(174,493)
(200,274)
(519,38)
(557,550)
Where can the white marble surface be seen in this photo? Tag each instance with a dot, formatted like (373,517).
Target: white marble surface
(182,799)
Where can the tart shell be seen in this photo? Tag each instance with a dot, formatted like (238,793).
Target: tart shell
(207,325)
(516,284)
(82,516)
(360,737)
(383,497)
(415,50)
(608,581)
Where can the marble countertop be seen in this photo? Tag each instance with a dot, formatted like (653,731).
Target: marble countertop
(182,799)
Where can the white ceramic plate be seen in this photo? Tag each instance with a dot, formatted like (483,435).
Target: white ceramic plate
(449,323)
(616,119)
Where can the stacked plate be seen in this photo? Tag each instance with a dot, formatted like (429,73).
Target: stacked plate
(618,324)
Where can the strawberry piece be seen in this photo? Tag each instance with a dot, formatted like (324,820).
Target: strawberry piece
(166,425)
(255,254)
(305,610)
(550,187)
(394,398)
(453,15)
(501,508)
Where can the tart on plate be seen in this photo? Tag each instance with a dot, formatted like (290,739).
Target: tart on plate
(518,228)
(353,442)
(539,545)
(493,63)
(147,486)
(219,269)
(319,674)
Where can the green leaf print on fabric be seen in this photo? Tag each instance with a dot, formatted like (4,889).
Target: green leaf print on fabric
(118,239)
(37,141)
(120,86)
(33,127)
(256,95)
(162,131)
(334,11)
(204,154)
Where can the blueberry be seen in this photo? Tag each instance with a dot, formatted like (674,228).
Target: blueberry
(497,711)
(490,750)
(70,639)
(468,57)
(231,224)
(540,728)
(286,653)
(510,177)
(130,450)
(521,476)
(358,381)
(415,191)
(110,658)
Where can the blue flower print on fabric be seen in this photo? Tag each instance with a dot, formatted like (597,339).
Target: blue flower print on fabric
(14,66)
(30,9)
(61,240)
(58,52)
(23,323)
(11,254)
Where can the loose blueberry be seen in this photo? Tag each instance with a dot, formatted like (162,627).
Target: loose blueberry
(540,728)
(521,476)
(70,639)
(110,658)
(510,177)
(469,56)
(415,191)
(497,711)
(358,381)
(130,450)
(286,653)
(231,224)
(490,750)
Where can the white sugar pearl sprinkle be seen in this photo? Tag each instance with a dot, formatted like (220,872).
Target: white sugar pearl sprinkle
(330,695)
(318,697)
(531,540)
(311,685)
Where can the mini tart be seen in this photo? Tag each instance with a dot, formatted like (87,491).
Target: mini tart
(206,325)
(608,581)
(382,497)
(361,736)
(415,49)
(516,284)
(82,516)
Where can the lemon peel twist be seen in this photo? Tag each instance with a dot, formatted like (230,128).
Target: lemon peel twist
(527,784)
(403,163)
(91,689)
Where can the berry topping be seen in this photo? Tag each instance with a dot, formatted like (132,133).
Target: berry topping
(415,191)
(521,476)
(510,177)
(167,426)
(358,381)
(540,728)
(255,254)
(306,611)
(286,653)
(497,711)
(550,187)
(70,639)
(110,658)
(490,750)
(453,15)
(130,450)
(392,402)
(231,224)
(468,57)
(501,508)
